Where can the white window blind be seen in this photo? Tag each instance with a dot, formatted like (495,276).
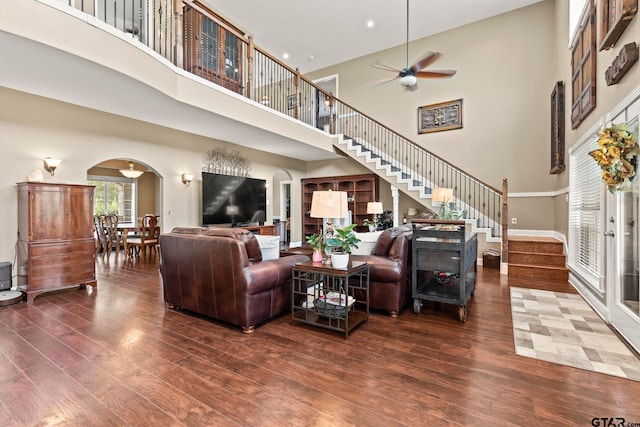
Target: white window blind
(585,217)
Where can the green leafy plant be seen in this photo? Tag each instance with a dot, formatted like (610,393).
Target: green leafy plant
(371,222)
(315,241)
(344,239)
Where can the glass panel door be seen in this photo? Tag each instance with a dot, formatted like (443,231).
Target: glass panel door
(625,306)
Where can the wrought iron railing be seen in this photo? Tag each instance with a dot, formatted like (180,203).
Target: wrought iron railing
(197,40)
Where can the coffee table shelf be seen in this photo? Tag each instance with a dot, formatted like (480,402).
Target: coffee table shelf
(313,285)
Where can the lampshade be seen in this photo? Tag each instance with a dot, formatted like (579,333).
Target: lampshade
(329,204)
(442,195)
(131,172)
(374,208)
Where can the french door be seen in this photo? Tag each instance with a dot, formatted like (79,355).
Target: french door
(622,261)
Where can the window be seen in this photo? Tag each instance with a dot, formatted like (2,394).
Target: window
(583,67)
(585,216)
(211,51)
(114,196)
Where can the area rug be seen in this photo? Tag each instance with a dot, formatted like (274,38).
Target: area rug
(562,328)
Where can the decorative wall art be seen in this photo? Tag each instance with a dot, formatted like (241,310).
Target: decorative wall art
(439,117)
(627,56)
(583,67)
(291,102)
(557,129)
(614,17)
(222,162)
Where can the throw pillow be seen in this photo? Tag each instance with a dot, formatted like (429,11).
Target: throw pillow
(367,243)
(269,245)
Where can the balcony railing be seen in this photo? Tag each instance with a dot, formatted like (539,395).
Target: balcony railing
(196,39)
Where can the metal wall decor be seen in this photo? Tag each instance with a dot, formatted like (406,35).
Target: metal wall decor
(439,117)
(220,161)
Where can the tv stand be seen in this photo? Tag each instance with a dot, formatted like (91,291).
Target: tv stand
(266,230)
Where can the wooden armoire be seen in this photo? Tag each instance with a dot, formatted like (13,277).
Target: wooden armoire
(56,247)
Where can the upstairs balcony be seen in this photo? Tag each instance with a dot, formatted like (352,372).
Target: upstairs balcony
(177,64)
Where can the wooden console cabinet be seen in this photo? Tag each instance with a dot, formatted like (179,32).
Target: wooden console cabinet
(265,230)
(56,247)
(362,188)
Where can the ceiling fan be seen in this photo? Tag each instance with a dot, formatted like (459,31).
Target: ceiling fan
(409,75)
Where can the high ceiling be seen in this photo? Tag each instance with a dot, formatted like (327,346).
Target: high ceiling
(334,31)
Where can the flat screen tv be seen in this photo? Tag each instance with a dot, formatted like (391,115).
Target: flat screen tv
(234,200)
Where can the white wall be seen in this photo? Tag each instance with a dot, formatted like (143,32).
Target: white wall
(33,127)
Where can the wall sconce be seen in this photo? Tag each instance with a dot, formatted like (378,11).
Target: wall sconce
(187,178)
(50,164)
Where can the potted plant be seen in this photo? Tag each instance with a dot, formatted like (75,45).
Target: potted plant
(373,224)
(343,240)
(315,241)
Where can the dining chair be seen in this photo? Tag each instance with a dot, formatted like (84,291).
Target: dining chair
(148,237)
(113,237)
(100,237)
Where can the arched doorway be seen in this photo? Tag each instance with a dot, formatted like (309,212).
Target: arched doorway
(129,198)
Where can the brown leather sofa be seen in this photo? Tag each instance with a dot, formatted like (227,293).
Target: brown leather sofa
(390,270)
(219,272)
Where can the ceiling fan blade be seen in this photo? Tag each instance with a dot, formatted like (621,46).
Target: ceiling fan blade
(427,58)
(385,66)
(435,74)
(381,82)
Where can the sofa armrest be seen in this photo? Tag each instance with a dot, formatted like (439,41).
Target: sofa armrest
(381,269)
(265,275)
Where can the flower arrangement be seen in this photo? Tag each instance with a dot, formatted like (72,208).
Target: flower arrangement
(615,156)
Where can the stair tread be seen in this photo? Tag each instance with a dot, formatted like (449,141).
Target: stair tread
(537,239)
(534,253)
(543,267)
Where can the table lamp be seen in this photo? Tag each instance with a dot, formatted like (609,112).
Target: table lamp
(375,208)
(329,205)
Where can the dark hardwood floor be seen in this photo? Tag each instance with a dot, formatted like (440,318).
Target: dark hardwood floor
(116,356)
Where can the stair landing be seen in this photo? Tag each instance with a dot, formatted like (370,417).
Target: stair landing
(537,257)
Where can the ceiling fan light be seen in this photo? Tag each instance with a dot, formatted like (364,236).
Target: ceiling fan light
(408,81)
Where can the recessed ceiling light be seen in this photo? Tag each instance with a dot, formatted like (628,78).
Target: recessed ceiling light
(311,58)
(285,55)
(370,23)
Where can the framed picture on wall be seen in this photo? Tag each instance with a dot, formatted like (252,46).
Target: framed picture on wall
(439,117)
(291,102)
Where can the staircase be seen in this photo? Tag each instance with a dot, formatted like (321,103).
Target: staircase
(537,258)
(416,186)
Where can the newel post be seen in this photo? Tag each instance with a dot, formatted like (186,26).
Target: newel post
(297,84)
(250,55)
(178,39)
(332,118)
(505,226)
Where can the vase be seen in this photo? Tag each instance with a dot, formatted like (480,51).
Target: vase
(339,259)
(317,255)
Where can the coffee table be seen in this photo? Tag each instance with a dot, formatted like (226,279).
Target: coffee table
(331,298)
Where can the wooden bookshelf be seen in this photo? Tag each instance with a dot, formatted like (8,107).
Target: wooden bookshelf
(362,188)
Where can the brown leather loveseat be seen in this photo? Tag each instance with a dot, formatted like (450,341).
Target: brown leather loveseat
(219,272)
(390,270)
